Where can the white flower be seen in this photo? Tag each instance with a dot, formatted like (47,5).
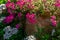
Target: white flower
(3,6)
(9,32)
(53,31)
(6,29)
(7,35)
(14,30)
(31,37)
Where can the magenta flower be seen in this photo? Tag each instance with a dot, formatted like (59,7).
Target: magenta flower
(30,6)
(57,3)
(9,19)
(8,0)
(53,20)
(17,26)
(10,5)
(7,4)
(19,15)
(9,11)
(20,4)
(31,18)
(54,23)
(29,1)
(53,17)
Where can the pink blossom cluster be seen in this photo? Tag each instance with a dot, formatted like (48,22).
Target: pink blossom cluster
(31,18)
(9,19)
(9,11)
(17,26)
(10,5)
(53,20)
(57,3)
(29,5)
(20,3)
(19,15)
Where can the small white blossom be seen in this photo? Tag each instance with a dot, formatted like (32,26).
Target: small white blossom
(31,37)
(14,30)
(7,35)
(53,31)
(9,32)
(6,29)
(3,6)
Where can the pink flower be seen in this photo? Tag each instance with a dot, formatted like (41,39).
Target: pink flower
(20,4)
(8,0)
(9,19)
(31,18)
(17,26)
(19,15)
(10,5)
(9,11)
(57,3)
(30,6)
(53,20)
(53,17)
(29,1)
(54,23)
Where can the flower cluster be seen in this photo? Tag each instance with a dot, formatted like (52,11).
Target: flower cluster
(9,19)
(53,20)
(57,3)
(26,6)
(17,26)
(20,3)
(31,18)
(30,7)
(10,5)
(9,32)
(31,11)
(13,13)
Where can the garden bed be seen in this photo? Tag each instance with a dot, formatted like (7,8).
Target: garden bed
(30,20)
